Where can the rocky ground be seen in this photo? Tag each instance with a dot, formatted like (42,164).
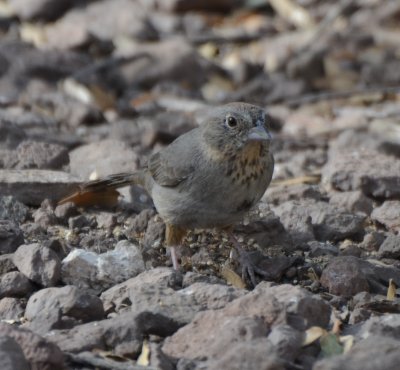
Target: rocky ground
(89,88)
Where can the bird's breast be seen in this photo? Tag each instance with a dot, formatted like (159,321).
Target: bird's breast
(248,166)
(219,193)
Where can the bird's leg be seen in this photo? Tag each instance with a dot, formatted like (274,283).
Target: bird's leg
(249,269)
(173,238)
(174,258)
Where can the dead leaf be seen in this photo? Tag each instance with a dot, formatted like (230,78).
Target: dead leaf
(11,322)
(293,13)
(33,34)
(216,86)
(311,179)
(391,292)
(313,334)
(110,355)
(337,327)
(77,90)
(6,10)
(232,278)
(144,358)
(104,99)
(312,274)
(209,50)
(143,99)
(347,341)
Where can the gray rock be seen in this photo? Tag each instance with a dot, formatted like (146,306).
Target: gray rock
(359,315)
(352,201)
(194,340)
(388,214)
(86,269)
(267,229)
(343,276)
(11,209)
(279,194)
(11,237)
(287,341)
(32,186)
(193,277)
(138,224)
(90,158)
(349,275)
(11,355)
(173,59)
(40,264)
(322,249)
(8,158)
(64,211)
(123,333)
(139,294)
(40,9)
(78,26)
(78,222)
(15,284)
(35,154)
(390,248)
(308,219)
(372,241)
(158,359)
(375,174)
(274,267)
(6,263)
(162,277)
(44,217)
(353,138)
(188,5)
(40,353)
(106,220)
(154,235)
(10,134)
(265,307)
(66,109)
(34,64)
(375,352)
(11,308)
(299,308)
(296,220)
(252,354)
(348,249)
(59,308)
(333,225)
(386,326)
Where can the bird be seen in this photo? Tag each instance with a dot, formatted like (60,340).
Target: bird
(207,178)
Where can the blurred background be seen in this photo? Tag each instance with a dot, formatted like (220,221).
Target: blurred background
(132,75)
(90,88)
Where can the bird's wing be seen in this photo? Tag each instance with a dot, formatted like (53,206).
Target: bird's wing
(175,163)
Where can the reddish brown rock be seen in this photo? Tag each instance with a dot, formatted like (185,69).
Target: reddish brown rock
(352,170)
(388,214)
(247,318)
(40,353)
(39,263)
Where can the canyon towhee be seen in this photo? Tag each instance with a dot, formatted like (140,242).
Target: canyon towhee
(207,178)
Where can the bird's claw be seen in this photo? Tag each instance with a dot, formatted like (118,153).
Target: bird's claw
(250,269)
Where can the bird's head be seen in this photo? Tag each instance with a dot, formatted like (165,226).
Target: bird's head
(235,126)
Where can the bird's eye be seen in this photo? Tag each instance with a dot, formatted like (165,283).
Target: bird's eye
(231,122)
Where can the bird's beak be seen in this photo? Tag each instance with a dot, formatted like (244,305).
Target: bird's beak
(259,133)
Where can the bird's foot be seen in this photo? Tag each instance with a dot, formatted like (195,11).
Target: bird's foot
(250,268)
(248,263)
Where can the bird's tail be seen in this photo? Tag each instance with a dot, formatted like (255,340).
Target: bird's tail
(103,191)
